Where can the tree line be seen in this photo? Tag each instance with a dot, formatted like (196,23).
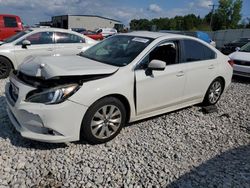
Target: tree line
(226,16)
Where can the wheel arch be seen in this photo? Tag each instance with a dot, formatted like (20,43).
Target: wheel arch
(205,101)
(124,101)
(83,131)
(223,82)
(12,65)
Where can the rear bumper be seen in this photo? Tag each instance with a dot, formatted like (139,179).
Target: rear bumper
(240,70)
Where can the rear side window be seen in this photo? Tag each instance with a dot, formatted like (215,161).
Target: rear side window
(10,21)
(196,51)
(68,38)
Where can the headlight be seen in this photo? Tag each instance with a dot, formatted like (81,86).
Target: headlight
(53,95)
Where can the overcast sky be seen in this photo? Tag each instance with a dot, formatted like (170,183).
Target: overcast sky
(34,11)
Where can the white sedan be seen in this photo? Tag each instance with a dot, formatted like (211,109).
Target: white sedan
(241,59)
(42,42)
(122,79)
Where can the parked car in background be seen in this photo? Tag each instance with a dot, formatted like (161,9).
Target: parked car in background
(78,30)
(231,46)
(94,35)
(241,59)
(106,32)
(198,34)
(42,42)
(9,25)
(122,79)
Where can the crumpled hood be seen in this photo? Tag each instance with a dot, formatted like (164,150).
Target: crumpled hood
(242,56)
(49,67)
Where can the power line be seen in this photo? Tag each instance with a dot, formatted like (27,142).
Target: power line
(212,12)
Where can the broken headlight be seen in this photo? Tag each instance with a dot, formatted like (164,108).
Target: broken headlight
(52,95)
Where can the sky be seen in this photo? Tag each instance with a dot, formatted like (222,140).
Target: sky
(34,11)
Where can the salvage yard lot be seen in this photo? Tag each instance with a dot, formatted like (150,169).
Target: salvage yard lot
(180,149)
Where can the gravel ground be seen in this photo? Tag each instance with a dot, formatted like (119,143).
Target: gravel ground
(186,148)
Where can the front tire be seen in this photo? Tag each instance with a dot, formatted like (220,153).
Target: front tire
(214,92)
(103,120)
(5,67)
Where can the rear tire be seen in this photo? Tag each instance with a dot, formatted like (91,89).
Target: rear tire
(103,120)
(5,67)
(214,92)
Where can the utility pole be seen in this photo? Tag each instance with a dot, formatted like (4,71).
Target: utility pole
(212,12)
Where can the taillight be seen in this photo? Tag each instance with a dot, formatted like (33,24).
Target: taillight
(231,62)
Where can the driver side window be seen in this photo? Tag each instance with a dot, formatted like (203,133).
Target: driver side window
(167,52)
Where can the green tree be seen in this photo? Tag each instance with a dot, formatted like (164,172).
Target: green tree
(161,23)
(141,24)
(191,22)
(227,15)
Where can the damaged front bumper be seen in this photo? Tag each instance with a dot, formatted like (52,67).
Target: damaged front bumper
(47,123)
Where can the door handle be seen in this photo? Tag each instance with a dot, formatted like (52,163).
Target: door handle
(179,74)
(211,67)
(79,47)
(50,49)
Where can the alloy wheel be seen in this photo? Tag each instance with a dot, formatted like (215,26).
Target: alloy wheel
(106,121)
(215,92)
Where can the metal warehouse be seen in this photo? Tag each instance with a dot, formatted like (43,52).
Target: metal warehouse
(89,22)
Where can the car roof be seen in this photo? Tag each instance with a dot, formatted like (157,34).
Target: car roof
(51,29)
(155,35)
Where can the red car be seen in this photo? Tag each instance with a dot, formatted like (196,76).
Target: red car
(93,35)
(9,25)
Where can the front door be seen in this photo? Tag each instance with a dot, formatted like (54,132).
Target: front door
(160,89)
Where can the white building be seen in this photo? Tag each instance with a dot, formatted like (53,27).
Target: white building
(89,22)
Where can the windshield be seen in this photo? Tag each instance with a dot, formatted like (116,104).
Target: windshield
(16,36)
(119,50)
(241,40)
(245,48)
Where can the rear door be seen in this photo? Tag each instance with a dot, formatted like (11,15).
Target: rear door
(42,44)
(68,44)
(10,26)
(201,68)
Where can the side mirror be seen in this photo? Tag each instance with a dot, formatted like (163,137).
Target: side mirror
(237,49)
(157,65)
(26,43)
